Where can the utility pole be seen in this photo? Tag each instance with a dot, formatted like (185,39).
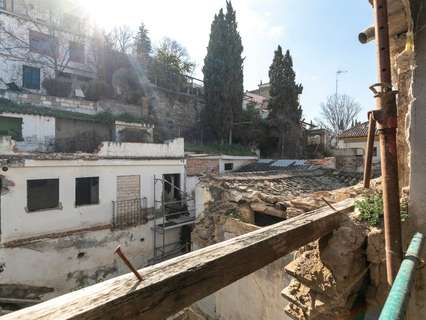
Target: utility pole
(338,73)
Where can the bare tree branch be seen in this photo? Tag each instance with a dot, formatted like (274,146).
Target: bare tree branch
(338,113)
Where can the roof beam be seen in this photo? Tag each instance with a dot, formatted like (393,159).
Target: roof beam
(172,285)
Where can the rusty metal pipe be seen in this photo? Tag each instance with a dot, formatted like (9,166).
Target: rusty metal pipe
(370,147)
(386,116)
(127,262)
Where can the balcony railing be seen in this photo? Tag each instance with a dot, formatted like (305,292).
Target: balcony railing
(127,213)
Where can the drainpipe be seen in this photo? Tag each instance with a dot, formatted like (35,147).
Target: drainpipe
(386,118)
(397,300)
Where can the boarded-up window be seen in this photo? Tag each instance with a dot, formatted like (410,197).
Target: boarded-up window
(128,187)
(86,191)
(10,126)
(42,194)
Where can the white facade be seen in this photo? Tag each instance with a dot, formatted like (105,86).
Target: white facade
(70,247)
(17,223)
(360,144)
(24,17)
(38,132)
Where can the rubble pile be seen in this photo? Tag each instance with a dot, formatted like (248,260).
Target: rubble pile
(281,196)
(328,274)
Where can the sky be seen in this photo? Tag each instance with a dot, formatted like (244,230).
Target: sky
(322,36)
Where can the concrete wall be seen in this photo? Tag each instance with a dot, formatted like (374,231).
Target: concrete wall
(237,162)
(72,262)
(417,160)
(256,296)
(169,149)
(77,135)
(18,224)
(347,144)
(38,132)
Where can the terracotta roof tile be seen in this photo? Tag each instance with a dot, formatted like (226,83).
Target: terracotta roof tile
(360,130)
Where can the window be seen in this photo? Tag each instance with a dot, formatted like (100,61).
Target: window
(43,43)
(42,194)
(375,152)
(229,166)
(11,127)
(86,191)
(76,52)
(31,78)
(3,4)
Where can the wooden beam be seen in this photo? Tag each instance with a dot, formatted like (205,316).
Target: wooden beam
(172,285)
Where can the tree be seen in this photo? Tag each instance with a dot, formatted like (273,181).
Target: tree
(170,64)
(339,112)
(223,75)
(285,111)
(142,43)
(214,79)
(121,38)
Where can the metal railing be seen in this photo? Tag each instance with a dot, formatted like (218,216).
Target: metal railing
(127,213)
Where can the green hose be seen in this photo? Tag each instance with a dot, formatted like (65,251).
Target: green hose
(396,302)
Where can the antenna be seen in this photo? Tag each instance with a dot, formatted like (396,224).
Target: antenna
(338,73)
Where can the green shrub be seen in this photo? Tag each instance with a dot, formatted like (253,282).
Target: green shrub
(57,87)
(371,208)
(97,89)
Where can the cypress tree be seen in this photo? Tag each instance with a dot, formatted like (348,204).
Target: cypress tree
(214,81)
(143,45)
(223,75)
(234,70)
(285,112)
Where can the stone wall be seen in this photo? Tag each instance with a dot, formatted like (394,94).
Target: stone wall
(177,115)
(78,135)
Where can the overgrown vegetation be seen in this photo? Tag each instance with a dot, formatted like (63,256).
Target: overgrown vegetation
(232,150)
(371,208)
(101,117)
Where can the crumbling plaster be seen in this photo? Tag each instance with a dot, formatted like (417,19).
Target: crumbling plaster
(18,224)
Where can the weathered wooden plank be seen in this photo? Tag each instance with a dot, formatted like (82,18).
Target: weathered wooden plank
(172,285)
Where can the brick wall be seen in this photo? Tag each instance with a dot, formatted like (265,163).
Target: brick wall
(197,167)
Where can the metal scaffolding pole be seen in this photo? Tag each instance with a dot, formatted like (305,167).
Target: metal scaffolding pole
(386,117)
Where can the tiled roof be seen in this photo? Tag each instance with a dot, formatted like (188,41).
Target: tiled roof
(360,130)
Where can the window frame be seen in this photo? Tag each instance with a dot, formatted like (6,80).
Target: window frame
(29,83)
(57,205)
(79,47)
(81,203)
(227,164)
(51,43)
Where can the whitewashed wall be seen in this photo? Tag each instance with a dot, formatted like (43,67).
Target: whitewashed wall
(17,223)
(72,262)
(169,149)
(237,161)
(38,132)
(360,145)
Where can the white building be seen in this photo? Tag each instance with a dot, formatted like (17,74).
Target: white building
(42,39)
(356,138)
(63,215)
